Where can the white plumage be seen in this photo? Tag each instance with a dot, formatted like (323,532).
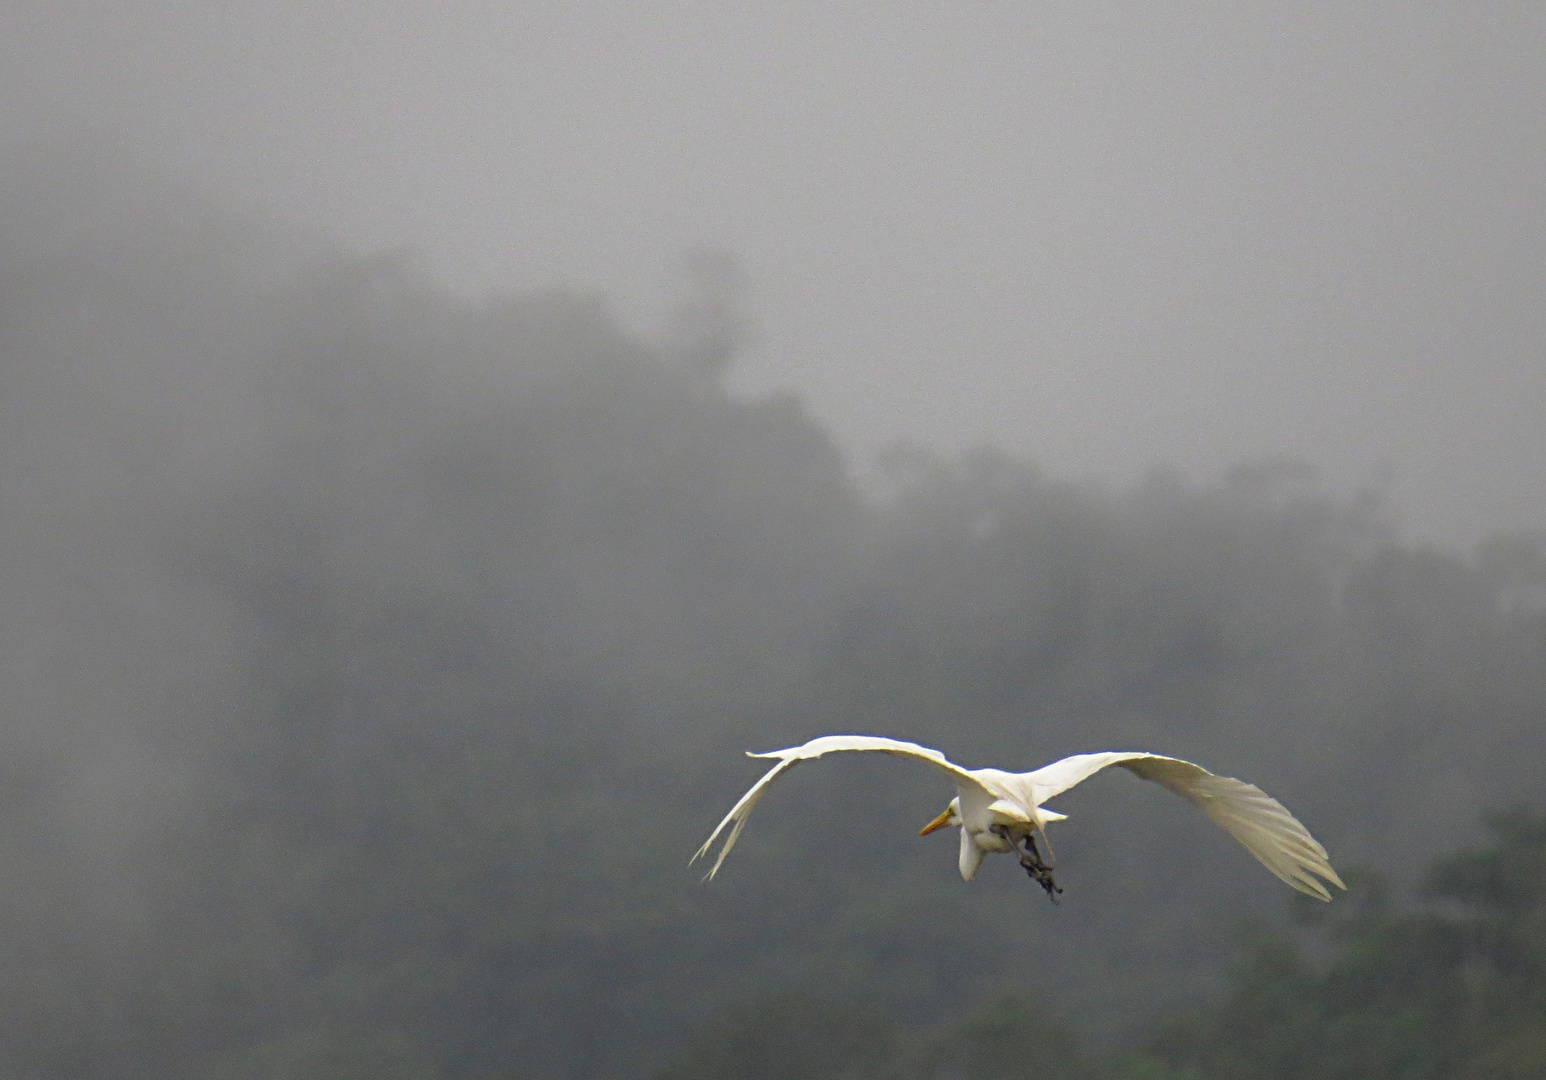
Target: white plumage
(1000,811)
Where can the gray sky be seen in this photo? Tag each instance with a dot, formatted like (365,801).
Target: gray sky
(1105,235)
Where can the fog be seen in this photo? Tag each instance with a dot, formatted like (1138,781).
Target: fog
(434,445)
(1107,236)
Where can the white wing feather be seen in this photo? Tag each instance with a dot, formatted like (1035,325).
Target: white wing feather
(792,756)
(1248,813)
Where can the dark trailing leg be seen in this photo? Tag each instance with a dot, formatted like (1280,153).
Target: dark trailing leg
(1030,859)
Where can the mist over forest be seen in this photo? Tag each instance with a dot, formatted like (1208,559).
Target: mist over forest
(375,659)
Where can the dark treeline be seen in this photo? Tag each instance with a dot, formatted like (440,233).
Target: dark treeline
(374,661)
(1452,988)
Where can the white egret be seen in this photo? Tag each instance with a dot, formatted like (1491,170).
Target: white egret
(1000,811)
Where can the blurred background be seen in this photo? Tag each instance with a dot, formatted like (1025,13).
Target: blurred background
(436,442)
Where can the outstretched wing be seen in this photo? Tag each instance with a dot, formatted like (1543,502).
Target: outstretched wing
(1250,815)
(791,757)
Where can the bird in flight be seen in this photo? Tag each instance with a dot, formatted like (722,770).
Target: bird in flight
(999,811)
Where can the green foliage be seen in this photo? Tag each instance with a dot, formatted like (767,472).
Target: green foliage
(1440,994)
(1448,993)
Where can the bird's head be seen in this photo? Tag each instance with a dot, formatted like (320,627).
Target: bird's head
(950,816)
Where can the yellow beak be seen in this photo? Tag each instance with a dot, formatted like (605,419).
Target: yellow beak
(938,823)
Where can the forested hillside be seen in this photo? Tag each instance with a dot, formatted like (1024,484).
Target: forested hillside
(374,661)
(1448,988)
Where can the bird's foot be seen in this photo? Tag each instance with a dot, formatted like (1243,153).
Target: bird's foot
(1031,861)
(1042,875)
